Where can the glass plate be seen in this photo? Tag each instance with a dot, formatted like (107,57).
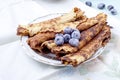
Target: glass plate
(40,58)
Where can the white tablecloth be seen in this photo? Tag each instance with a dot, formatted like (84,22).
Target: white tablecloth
(16,65)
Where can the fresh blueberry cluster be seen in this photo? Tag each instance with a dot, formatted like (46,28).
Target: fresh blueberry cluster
(102,6)
(70,36)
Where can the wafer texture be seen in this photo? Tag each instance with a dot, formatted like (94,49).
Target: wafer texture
(100,18)
(41,35)
(86,36)
(94,28)
(32,29)
(87,51)
(49,33)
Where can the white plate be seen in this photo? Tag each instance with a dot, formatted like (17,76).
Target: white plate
(40,58)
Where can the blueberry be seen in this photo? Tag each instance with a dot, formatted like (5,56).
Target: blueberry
(109,7)
(66,37)
(74,42)
(59,35)
(75,34)
(75,30)
(101,6)
(88,3)
(59,40)
(113,11)
(67,30)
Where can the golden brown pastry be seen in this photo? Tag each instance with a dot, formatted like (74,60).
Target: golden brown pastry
(100,18)
(90,22)
(83,24)
(87,51)
(32,29)
(34,42)
(95,33)
(47,46)
(86,35)
(41,37)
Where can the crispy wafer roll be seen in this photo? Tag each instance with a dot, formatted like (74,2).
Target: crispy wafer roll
(100,18)
(87,51)
(90,22)
(59,29)
(47,45)
(35,41)
(86,36)
(44,36)
(32,29)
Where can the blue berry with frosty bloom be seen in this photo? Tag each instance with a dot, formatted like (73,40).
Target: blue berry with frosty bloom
(113,11)
(75,30)
(74,42)
(109,7)
(67,30)
(88,3)
(59,34)
(59,40)
(101,6)
(66,37)
(75,34)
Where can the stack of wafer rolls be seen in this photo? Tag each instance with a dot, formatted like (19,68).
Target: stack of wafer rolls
(32,29)
(87,51)
(46,30)
(41,37)
(91,28)
(94,31)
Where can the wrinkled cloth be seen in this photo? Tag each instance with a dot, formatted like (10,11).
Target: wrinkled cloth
(16,65)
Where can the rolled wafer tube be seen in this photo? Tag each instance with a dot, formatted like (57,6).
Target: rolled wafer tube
(86,36)
(35,41)
(87,51)
(100,18)
(90,22)
(41,37)
(58,29)
(66,48)
(47,46)
(32,29)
